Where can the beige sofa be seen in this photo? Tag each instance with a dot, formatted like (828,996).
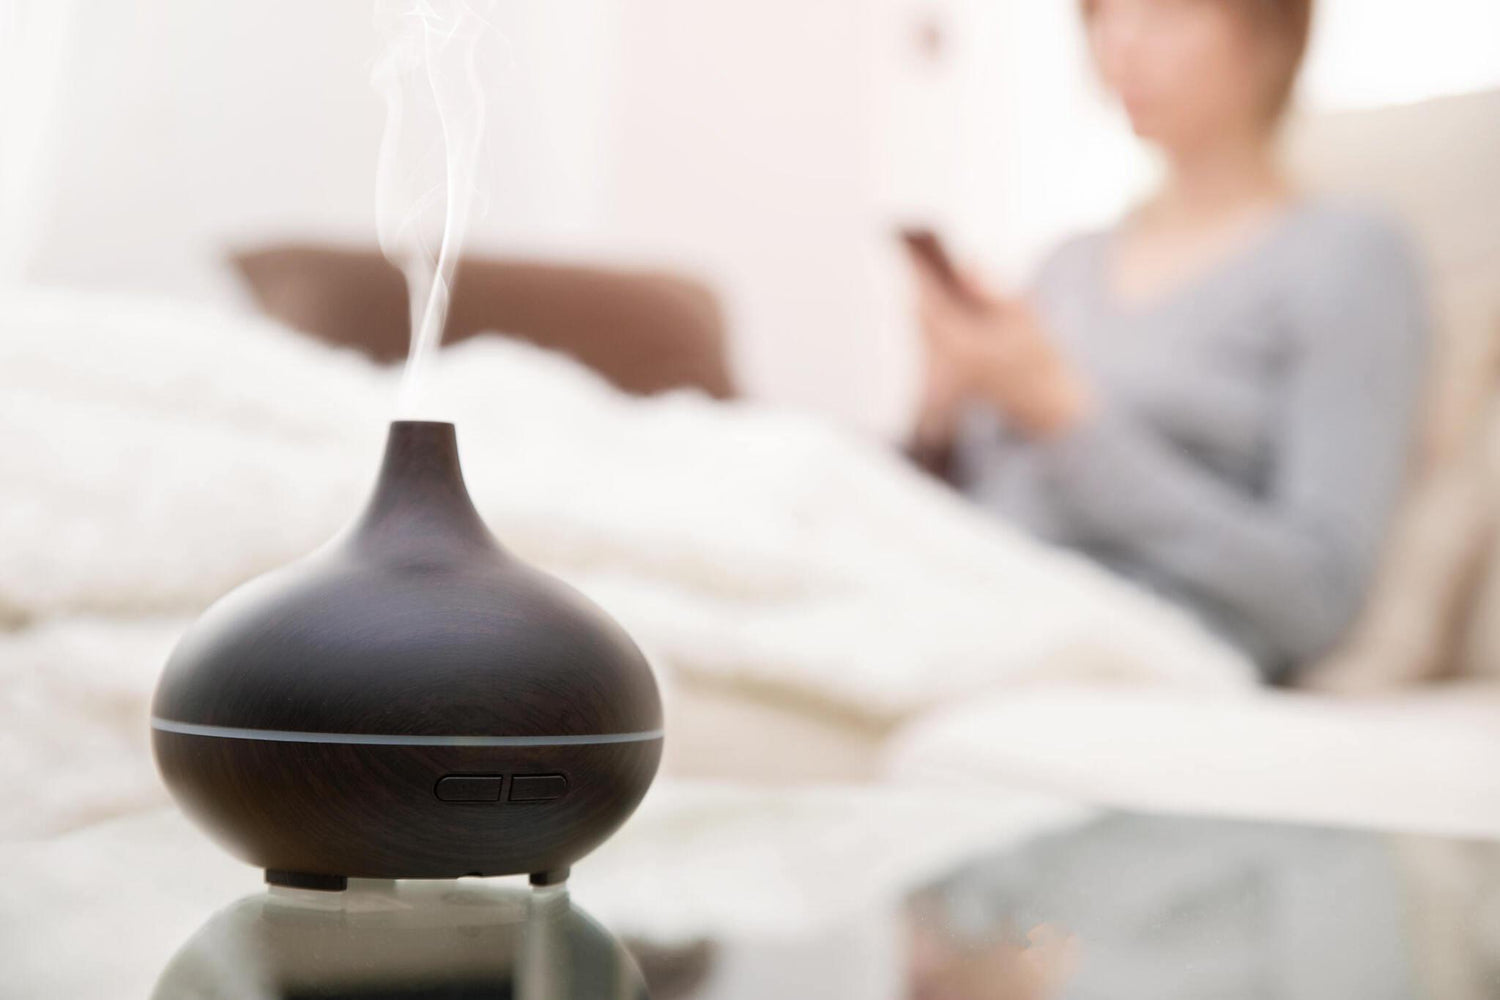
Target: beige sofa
(1437,164)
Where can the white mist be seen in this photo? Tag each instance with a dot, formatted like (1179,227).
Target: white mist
(428,182)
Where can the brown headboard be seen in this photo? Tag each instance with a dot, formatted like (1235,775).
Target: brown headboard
(644,331)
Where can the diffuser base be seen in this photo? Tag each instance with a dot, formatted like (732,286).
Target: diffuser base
(338,883)
(305,880)
(555,876)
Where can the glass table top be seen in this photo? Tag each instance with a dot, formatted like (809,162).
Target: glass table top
(1122,906)
(461,940)
(1133,906)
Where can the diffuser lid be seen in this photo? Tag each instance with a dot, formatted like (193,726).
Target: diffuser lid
(415,622)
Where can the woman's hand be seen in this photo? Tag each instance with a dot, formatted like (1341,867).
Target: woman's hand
(944,387)
(980,345)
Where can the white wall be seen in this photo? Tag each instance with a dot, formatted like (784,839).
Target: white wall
(188,127)
(744,145)
(187,124)
(1368,53)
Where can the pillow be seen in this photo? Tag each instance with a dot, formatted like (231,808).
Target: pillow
(645,332)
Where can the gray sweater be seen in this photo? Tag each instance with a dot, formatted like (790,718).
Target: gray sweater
(1251,432)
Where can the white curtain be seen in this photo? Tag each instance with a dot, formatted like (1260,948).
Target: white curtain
(34,44)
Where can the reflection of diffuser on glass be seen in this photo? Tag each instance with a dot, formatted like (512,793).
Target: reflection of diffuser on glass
(386,942)
(410,701)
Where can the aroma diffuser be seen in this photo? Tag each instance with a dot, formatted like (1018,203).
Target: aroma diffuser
(409,701)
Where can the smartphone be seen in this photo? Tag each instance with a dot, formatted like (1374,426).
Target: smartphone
(928,250)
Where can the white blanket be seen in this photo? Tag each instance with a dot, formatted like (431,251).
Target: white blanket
(153,455)
(1427,761)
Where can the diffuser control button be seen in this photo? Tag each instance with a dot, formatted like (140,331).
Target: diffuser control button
(537,787)
(470,788)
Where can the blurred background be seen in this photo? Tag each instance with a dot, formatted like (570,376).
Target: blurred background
(768,148)
(693,208)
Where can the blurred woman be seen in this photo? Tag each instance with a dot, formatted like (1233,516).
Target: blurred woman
(1215,396)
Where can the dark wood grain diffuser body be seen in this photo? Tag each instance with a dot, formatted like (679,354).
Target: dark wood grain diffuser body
(409,701)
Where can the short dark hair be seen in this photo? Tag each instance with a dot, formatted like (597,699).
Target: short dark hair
(1288,24)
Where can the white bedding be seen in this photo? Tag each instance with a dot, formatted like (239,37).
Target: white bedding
(154,455)
(1427,761)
